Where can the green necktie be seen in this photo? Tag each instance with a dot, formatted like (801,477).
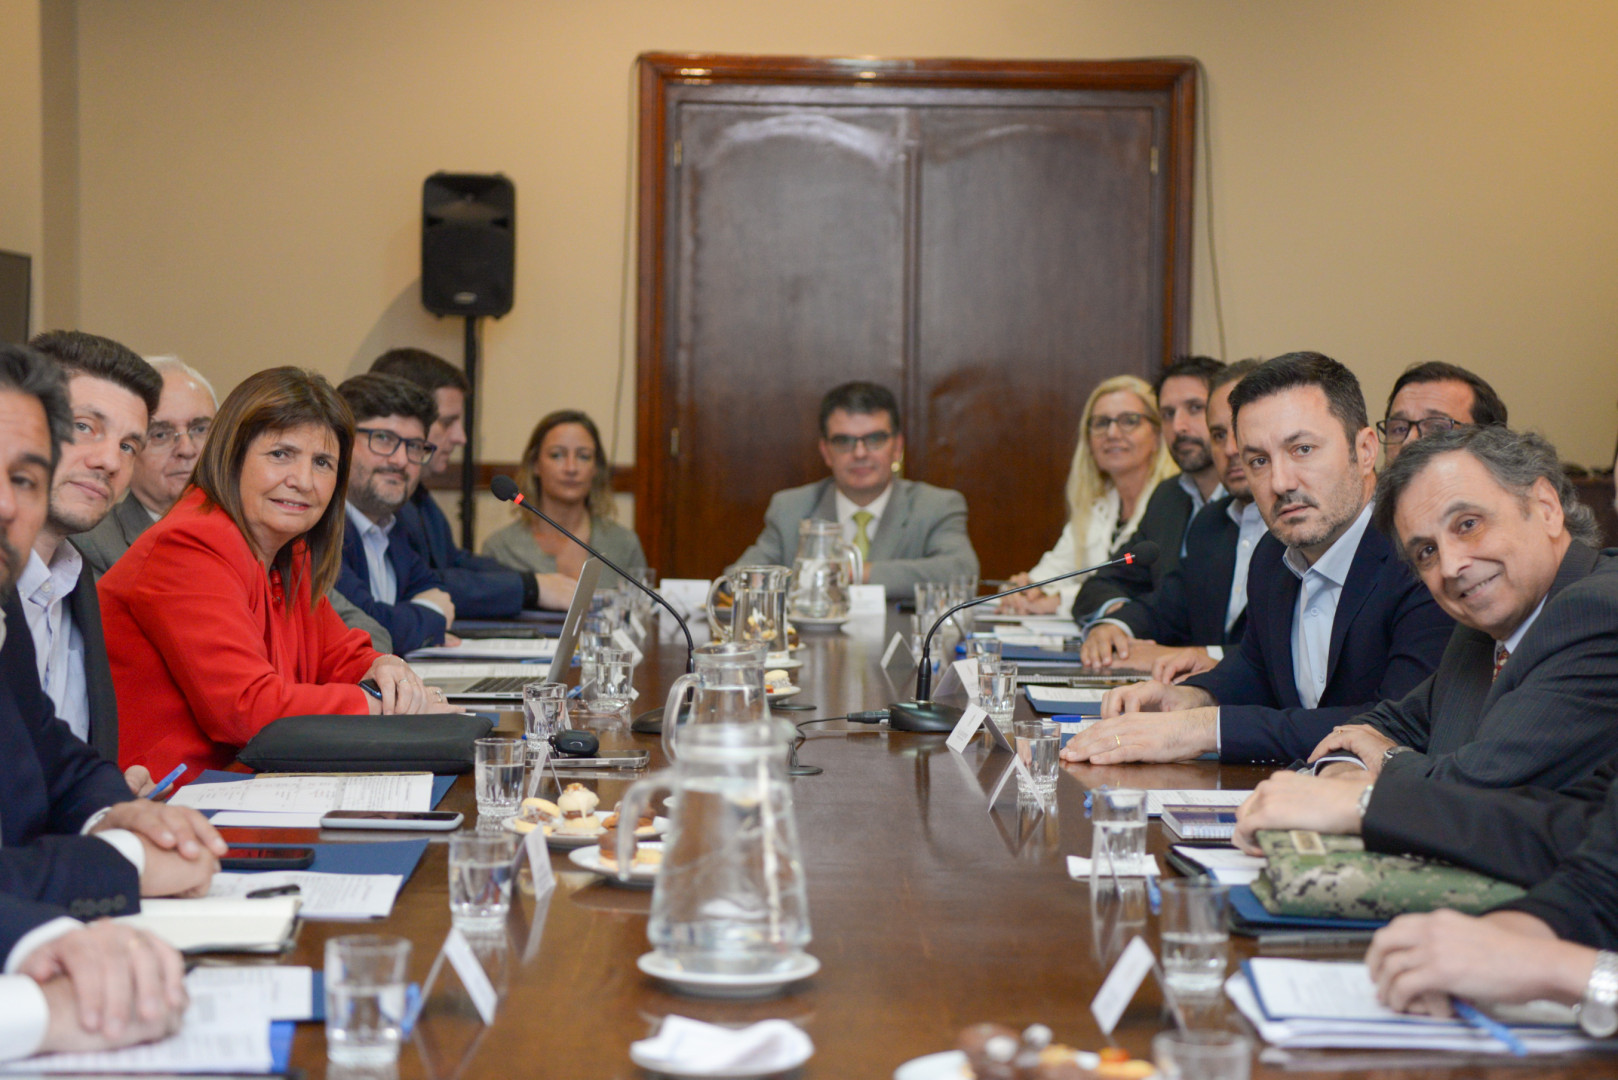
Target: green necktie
(862,539)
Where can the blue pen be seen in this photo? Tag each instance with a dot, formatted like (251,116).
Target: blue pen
(1154,895)
(1489,1026)
(167,782)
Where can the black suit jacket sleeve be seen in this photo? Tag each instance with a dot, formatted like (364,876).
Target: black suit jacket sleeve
(86,609)
(18,917)
(1580,900)
(1519,835)
(1164,616)
(84,876)
(1163,522)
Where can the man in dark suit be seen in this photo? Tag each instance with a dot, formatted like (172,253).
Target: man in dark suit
(481,587)
(1335,621)
(1523,695)
(1201,605)
(381,572)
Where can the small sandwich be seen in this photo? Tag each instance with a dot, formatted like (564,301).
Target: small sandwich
(535,813)
(776,680)
(644,856)
(645,826)
(578,805)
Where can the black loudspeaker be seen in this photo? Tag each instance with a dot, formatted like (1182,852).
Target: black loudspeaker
(468,244)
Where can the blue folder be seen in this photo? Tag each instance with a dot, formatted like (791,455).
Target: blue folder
(361,857)
(1254,916)
(441,784)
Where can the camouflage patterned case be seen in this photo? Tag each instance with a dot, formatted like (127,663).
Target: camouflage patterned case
(1321,875)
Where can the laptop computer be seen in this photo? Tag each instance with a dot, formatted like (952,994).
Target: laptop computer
(502,683)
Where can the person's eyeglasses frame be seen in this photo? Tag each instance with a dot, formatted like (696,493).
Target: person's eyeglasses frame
(1126,421)
(167,437)
(1385,428)
(417,451)
(874,442)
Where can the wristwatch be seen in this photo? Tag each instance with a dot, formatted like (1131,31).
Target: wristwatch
(1365,800)
(1389,754)
(1598,1011)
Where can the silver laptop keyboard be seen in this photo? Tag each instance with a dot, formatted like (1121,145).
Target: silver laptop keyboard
(503,684)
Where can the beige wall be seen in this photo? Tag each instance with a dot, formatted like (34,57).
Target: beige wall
(1394,181)
(22,209)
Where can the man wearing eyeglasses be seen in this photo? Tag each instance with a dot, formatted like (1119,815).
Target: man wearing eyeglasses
(1433,397)
(907,531)
(382,572)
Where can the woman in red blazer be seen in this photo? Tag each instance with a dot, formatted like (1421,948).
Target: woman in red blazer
(216,618)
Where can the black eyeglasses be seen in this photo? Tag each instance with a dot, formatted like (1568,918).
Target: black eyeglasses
(873,443)
(1126,422)
(1398,431)
(383,443)
(168,436)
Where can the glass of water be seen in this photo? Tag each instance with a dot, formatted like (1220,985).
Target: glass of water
(1037,743)
(997,689)
(983,649)
(613,670)
(1195,926)
(499,764)
(480,872)
(1203,1055)
(365,998)
(544,709)
(1117,832)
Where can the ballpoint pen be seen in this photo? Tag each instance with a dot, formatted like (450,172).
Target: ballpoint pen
(167,782)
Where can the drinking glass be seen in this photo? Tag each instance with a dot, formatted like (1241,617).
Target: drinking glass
(1196,934)
(1037,743)
(480,872)
(1117,832)
(544,709)
(634,599)
(1203,1055)
(499,764)
(997,689)
(984,650)
(611,690)
(365,998)
(963,587)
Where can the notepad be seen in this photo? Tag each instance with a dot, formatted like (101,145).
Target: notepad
(219,924)
(313,793)
(1226,865)
(325,896)
(1158,798)
(1199,822)
(1073,699)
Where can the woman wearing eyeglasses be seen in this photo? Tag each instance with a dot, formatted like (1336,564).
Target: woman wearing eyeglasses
(211,628)
(1120,458)
(565,474)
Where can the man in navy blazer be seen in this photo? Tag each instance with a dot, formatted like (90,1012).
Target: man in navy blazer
(1336,621)
(482,588)
(382,574)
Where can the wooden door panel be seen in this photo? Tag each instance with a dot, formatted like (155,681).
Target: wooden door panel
(1039,233)
(787,283)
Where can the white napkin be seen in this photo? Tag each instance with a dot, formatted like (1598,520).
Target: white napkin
(1079,867)
(689,1046)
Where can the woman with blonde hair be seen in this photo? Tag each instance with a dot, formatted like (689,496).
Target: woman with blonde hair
(565,474)
(1120,459)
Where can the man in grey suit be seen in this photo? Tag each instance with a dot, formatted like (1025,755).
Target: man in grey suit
(174,441)
(1523,694)
(907,531)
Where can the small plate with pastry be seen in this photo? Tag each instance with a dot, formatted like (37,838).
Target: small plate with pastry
(573,821)
(993,1050)
(603,859)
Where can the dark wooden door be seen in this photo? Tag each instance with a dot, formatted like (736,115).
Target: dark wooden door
(988,240)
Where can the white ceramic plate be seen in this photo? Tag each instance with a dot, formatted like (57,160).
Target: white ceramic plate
(783,693)
(793,969)
(640,877)
(803,620)
(950,1065)
(570,841)
(782,662)
(659,1068)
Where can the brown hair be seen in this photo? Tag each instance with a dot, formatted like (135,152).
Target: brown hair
(278,400)
(599,501)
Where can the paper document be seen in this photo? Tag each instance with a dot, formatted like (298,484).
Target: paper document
(1227,865)
(309,794)
(1017,635)
(1077,695)
(443,669)
(273,991)
(212,924)
(1078,867)
(325,896)
(498,648)
(1157,799)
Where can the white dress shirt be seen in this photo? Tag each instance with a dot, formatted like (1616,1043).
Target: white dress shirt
(1251,529)
(58,644)
(1102,533)
(374,539)
(1317,607)
(846,511)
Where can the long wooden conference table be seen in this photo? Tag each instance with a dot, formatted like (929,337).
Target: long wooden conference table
(930,912)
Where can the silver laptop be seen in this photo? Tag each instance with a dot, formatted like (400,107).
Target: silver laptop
(502,683)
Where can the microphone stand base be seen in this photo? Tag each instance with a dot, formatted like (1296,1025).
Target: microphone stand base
(926,716)
(649,722)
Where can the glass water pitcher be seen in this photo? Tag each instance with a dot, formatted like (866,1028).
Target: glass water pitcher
(825,568)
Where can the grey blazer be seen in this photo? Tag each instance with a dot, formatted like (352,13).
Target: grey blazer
(921,537)
(106,543)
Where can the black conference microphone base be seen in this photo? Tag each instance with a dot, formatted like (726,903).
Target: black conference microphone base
(650,722)
(930,716)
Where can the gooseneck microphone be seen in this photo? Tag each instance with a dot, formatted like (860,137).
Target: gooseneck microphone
(504,488)
(925,715)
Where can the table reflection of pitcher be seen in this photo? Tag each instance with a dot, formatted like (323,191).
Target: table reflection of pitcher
(825,568)
(727,687)
(730,895)
(759,612)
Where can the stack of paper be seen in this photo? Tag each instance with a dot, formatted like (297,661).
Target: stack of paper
(299,801)
(325,896)
(1216,797)
(494,648)
(1079,700)
(219,923)
(1319,1004)
(1226,865)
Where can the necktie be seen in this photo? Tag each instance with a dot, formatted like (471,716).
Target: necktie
(862,539)
(1501,655)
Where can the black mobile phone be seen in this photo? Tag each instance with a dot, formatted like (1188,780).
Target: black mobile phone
(267,858)
(617,759)
(433,820)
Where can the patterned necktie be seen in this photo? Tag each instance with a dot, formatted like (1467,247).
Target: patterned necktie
(1501,655)
(862,539)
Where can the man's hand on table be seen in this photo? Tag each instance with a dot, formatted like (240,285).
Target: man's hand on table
(1289,800)
(1420,961)
(1174,665)
(107,985)
(1362,740)
(179,829)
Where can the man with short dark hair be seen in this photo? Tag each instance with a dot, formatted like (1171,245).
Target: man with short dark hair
(381,572)
(1335,621)
(1182,390)
(908,531)
(1433,397)
(481,587)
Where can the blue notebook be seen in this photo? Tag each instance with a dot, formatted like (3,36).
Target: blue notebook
(1254,916)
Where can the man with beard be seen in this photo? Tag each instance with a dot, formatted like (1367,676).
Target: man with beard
(382,572)
(1335,620)
(112,393)
(1182,400)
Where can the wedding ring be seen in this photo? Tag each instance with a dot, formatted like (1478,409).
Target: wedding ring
(1120,739)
